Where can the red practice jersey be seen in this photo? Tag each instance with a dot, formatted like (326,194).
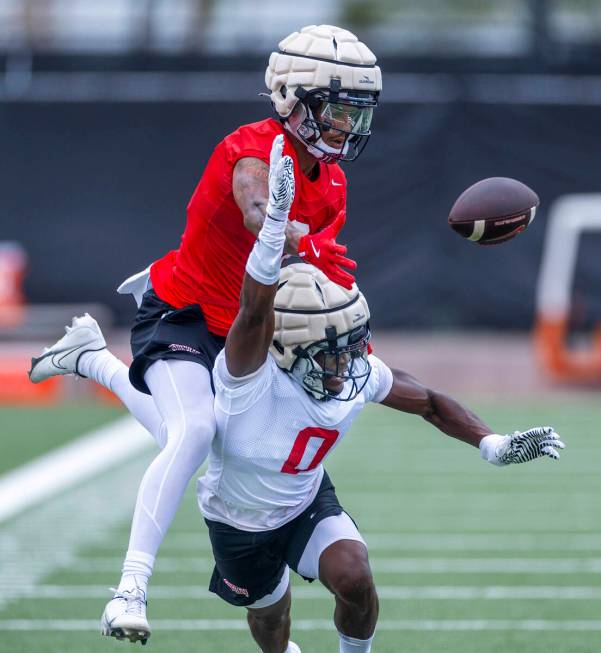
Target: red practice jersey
(209,265)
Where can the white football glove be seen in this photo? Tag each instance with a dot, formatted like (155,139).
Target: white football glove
(521,447)
(265,260)
(281,181)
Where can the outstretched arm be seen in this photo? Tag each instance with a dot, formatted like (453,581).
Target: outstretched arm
(410,396)
(251,192)
(249,338)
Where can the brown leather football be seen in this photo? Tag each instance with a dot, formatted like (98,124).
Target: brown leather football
(493,210)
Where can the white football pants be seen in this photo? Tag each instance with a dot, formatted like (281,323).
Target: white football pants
(180,417)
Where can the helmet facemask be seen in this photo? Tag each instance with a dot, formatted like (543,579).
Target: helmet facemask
(336,367)
(334,124)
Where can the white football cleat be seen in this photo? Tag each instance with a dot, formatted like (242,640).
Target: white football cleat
(124,616)
(83,335)
(292,647)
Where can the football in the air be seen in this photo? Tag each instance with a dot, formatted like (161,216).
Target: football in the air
(494,210)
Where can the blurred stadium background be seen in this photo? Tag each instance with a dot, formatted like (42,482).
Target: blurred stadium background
(109,111)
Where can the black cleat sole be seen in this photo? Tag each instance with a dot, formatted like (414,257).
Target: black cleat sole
(132,635)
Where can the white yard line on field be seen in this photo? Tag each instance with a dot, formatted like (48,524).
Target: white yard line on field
(313,592)
(392,565)
(193,541)
(67,625)
(49,536)
(65,467)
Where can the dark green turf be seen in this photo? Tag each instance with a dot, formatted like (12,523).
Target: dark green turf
(394,474)
(28,432)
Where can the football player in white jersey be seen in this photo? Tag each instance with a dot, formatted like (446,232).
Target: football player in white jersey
(294,374)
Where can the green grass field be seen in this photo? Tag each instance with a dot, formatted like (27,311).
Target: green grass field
(28,431)
(468,558)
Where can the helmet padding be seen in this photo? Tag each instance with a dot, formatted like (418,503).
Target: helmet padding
(311,58)
(309,308)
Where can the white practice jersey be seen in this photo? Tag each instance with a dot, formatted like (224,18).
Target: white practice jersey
(265,465)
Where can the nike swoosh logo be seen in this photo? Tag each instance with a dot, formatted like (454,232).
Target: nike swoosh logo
(317,252)
(57,362)
(335,184)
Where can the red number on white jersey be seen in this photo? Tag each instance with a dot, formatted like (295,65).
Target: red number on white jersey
(329,437)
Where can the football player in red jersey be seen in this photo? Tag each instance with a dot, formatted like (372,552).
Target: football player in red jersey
(324,85)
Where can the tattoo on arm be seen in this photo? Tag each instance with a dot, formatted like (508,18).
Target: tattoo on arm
(251,191)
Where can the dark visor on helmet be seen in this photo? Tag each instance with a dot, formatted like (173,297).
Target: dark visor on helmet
(339,118)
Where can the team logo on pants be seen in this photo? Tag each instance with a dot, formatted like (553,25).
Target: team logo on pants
(186,348)
(235,588)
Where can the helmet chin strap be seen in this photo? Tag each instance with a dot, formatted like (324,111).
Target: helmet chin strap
(321,150)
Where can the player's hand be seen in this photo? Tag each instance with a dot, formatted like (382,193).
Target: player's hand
(281,181)
(523,447)
(322,251)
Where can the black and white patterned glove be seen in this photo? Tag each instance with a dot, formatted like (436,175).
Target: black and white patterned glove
(521,447)
(281,181)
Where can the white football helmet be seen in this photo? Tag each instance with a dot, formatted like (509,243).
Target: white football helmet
(321,333)
(324,85)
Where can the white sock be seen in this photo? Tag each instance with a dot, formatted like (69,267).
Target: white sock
(352,645)
(137,570)
(99,366)
(107,370)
